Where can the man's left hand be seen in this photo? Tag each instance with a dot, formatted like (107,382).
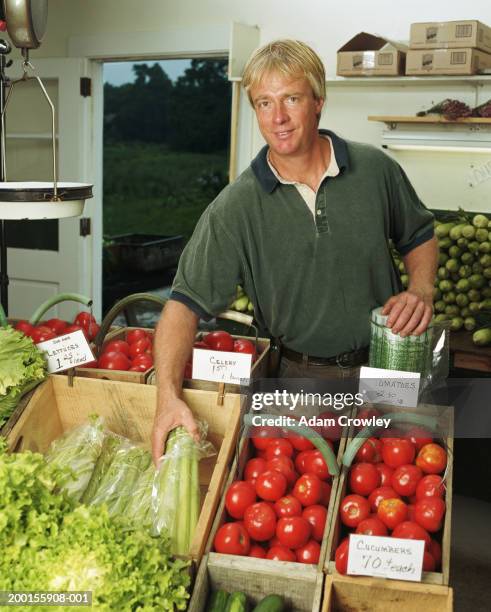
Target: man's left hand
(409,312)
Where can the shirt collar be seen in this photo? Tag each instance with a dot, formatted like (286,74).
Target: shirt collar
(269,181)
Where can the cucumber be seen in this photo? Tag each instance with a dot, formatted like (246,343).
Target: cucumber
(271,603)
(218,601)
(237,602)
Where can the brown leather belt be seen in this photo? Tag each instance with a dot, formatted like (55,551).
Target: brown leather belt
(343,360)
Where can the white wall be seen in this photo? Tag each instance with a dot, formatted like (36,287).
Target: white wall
(442,181)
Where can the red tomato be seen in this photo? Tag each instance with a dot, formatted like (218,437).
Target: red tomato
(135,334)
(429,564)
(280,553)
(364,478)
(307,489)
(300,461)
(410,512)
(429,513)
(135,369)
(274,542)
(419,436)
(288,506)
(284,465)
(201,345)
(114,361)
(293,532)
(353,509)
(405,479)
(370,451)
(260,521)
(385,474)
(380,493)
(241,345)
(436,551)
(367,413)
(257,551)
(316,465)
(309,553)
(432,459)
(341,556)
(253,468)
(397,451)
(144,362)
(89,364)
(278,447)
(73,328)
(41,334)
(316,515)
(391,434)
(430,486)
(331,432)
(411,531)
(140,346)
(271,485)
(325,493)
(298,442)
(92,329)
(25,327)
(232,539)
(372,526)
(239,496)
(219,341)
(56,325)
(262,436)
(392,512)
(84,319)
(121,346)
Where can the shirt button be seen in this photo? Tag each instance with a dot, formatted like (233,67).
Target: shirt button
(319,212)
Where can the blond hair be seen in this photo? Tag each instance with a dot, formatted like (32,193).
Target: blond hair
(291,58)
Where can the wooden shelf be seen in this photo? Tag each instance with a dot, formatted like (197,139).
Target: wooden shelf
(478,80)
(432,119)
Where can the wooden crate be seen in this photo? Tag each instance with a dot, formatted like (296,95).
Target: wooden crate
(467,355)
(301,589)
(259,369)
(445,419)
(349,593)
(129,411)
(244,453)
(117,375)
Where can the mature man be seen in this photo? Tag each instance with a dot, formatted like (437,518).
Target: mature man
(305,230)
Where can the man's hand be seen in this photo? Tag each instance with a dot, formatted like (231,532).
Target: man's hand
(167,418)
(409,312)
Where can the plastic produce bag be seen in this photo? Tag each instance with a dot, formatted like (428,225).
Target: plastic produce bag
(139,508)
(109,448)
(117,484)
(78,450)
(175,492)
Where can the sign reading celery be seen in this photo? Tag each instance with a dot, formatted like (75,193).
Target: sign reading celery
(65,352)
(222,366)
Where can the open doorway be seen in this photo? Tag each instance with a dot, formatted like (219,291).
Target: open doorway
(166,148)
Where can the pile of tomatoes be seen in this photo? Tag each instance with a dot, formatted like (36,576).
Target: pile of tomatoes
(133,353)
(221,341)
(47,330)
(278,511)
(396,488)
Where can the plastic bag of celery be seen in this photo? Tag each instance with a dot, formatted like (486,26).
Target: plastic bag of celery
(176,492)
(120,466)
(78,449)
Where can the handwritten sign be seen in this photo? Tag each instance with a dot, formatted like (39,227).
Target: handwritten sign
(378,556)
(67,351)
(394,387)
(222,366)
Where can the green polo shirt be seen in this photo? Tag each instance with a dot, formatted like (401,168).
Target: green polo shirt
(313,279)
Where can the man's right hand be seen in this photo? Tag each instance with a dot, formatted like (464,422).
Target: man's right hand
(167,418)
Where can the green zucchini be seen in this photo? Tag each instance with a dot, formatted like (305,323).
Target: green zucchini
(271,603)
(237,602)
(218,601)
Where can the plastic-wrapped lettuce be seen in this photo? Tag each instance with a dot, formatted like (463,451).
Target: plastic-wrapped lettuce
(78,450)
(117,485)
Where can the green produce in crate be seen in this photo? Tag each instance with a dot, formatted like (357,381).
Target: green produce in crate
(462,243)
(462,285)
(218,601)
(486,292)
(485,260)
(454,251)
(470,323)
(468,232)
(462,300)
(482,337)
(485,247)
(474,295)
(477,268)
(442,229)
(473,247)
(449,297)
(445,243)
(452,309)
(109,447)
(480,221)
(440,318)
(474,307)
(465,312)
(437,294)
(443,272)
(405,280)
(439,306)
(487,273)
(482,235)
(271,603)
(456,323)
(476,281)
(442,258)
(485,304)
(445,286)
(467,258)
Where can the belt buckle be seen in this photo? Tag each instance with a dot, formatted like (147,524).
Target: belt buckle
(340,358)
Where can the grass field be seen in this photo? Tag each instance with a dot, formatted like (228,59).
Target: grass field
(149,189)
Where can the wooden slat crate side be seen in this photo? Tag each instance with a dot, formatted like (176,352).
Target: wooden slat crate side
(346,594)
(437,578)
(243,454)
(301,589)
(129,410)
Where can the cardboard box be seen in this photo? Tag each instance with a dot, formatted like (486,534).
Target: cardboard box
(447,61)
(369,55)
(451,35)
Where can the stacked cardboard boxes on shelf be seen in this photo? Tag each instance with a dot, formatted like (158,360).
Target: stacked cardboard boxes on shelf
(449,48)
